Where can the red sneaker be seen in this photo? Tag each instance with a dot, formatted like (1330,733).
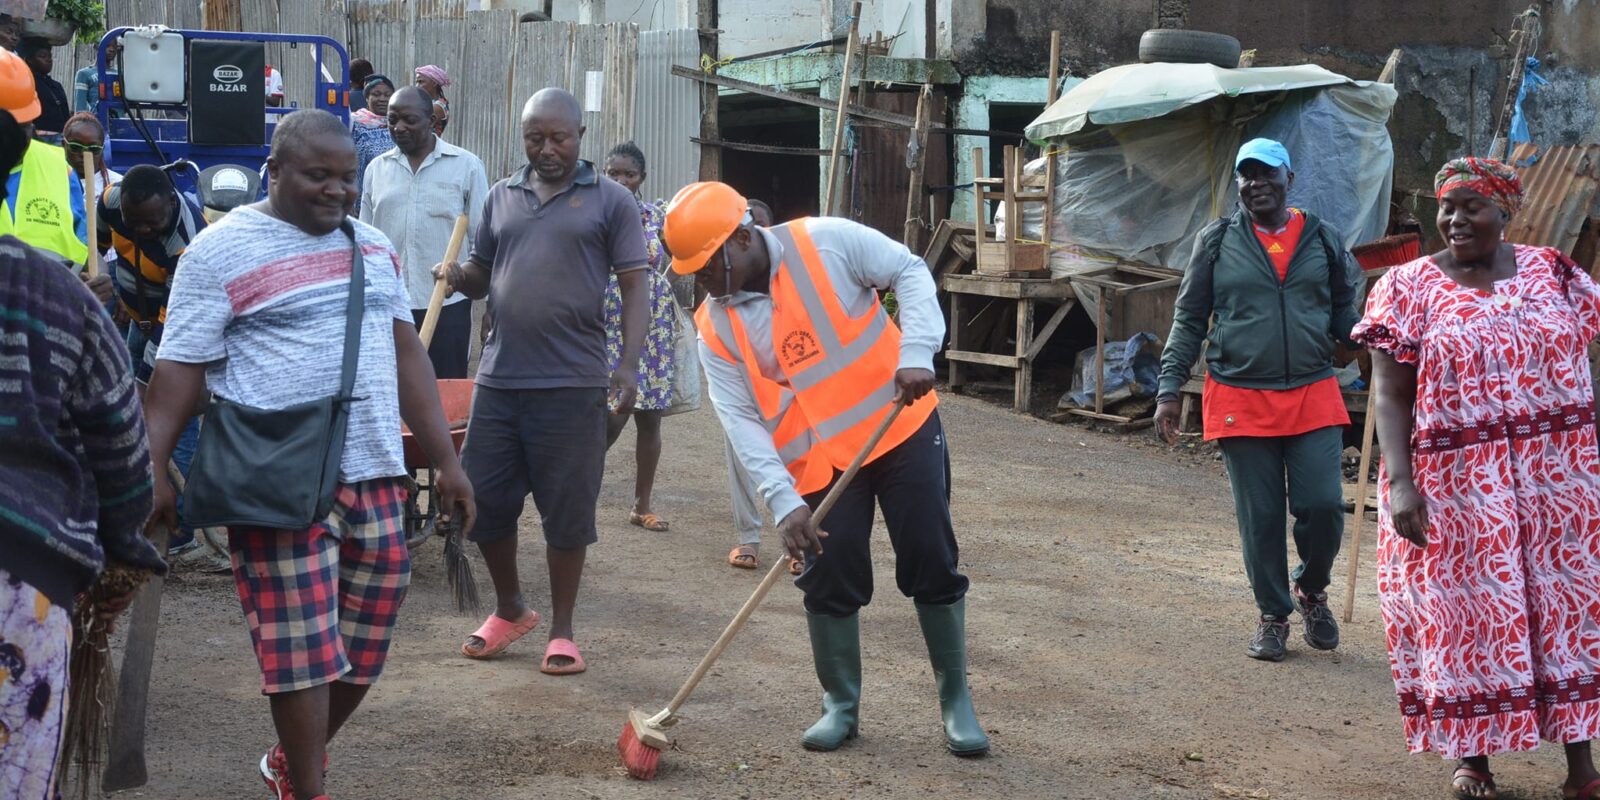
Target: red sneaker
(275,772)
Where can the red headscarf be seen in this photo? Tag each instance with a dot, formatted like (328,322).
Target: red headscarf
(1492,179)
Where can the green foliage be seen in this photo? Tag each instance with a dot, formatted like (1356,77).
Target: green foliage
(89,17)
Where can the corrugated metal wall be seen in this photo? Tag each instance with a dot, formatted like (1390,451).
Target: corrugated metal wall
(495,63)
(667,111)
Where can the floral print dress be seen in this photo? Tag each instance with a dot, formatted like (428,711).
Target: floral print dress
(1491,627)
(656,357)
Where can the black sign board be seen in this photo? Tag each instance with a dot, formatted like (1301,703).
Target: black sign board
(227,93)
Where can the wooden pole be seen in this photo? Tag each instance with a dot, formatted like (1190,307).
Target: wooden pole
(915,162)
(91,202)
(1362,466)
(977,209)
(1055,69)
(844,102)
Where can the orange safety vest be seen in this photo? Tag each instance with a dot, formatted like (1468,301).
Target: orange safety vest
(838,370)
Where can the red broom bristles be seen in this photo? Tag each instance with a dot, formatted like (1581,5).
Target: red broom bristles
(1390,251)
(640,758)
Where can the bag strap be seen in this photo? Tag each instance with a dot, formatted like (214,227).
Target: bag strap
(352,315)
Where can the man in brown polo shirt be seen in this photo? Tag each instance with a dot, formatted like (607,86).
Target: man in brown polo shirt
(552,234)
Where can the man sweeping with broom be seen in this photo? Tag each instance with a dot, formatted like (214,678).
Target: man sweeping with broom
(803,364)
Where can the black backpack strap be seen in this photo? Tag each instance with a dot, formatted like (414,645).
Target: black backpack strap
(357,305)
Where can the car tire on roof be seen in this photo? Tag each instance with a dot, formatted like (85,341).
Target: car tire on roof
(1174,46)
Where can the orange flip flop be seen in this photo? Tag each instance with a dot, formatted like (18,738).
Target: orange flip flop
(649,522)
(565,648)
(743,557)
(498,634)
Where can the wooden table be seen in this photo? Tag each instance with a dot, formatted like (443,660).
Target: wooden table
(1028,293)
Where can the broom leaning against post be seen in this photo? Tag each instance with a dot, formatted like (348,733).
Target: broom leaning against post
(802,365)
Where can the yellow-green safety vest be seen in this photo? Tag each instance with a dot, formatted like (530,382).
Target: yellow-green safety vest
(42,209)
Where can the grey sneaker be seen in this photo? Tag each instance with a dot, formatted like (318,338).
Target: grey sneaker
(1322,630)
(1271,641)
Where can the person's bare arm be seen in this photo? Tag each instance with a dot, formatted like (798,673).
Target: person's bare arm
(635,286)
(175,390)
(422,413)
(1396,387)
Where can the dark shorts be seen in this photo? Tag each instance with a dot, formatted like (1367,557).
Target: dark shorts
(550,443)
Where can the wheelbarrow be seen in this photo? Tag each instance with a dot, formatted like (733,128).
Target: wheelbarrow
(423,518)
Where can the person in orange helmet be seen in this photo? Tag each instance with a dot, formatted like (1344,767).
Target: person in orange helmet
(803,364)
(44,203)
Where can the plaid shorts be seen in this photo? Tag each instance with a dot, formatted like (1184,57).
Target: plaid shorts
(322,602)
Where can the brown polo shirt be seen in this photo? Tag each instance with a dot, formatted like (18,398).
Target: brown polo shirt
(549,264)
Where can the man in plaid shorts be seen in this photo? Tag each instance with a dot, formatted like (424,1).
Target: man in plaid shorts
(257,313)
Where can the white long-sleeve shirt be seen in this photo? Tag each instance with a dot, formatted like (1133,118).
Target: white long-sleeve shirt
(860,261)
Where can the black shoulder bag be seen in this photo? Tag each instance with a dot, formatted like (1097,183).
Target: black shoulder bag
(277,468)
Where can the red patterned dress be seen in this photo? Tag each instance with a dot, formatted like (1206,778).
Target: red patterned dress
(1494,628)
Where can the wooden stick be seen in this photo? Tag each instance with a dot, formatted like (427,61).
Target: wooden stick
(1055,69)
(977,209)
(1368,425)
(1101,298)
(844,102)
(918,151)
(430,319)
(91,202)
(779,567)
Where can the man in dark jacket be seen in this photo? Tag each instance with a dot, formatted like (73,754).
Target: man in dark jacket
(1276,288)
(54,108)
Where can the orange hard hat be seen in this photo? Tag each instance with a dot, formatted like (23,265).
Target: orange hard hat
(700,218)
(17,94)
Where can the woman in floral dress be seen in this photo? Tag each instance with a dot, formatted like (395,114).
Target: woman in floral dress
(1489,510)
(625,165)
(370,126)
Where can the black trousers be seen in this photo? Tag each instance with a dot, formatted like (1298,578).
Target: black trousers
(452,339)
(911,483)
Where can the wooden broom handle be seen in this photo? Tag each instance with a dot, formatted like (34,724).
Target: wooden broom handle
(430,320)
(91,202)
(779,566)
(1363,465)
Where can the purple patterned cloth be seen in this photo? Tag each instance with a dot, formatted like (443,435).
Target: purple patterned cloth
(35,642)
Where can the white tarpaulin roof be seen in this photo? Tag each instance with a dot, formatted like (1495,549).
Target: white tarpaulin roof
(1134,92)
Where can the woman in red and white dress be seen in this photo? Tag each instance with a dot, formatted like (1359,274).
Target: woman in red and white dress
(1489,511)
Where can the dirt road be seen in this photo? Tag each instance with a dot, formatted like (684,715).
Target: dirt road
(1108,618)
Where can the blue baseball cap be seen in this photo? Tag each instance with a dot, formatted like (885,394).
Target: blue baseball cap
(1266,151)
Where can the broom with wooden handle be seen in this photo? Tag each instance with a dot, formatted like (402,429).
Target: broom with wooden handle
(457,567)
(642,738)
(1368,425)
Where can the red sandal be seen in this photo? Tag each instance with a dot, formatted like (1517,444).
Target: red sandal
(1586,793)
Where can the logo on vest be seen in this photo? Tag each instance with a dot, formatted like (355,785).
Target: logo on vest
(798,348)
(42,211)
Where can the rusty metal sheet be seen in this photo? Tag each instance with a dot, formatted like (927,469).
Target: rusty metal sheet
(1558,192)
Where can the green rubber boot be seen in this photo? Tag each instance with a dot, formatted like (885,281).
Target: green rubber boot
(945,629)
(836,650)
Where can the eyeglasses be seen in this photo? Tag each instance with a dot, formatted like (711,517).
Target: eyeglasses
(78,147)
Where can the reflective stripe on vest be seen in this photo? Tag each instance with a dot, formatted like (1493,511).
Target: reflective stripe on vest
(43,205)
(839,369)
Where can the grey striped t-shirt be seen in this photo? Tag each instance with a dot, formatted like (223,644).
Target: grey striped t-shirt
(262,304)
